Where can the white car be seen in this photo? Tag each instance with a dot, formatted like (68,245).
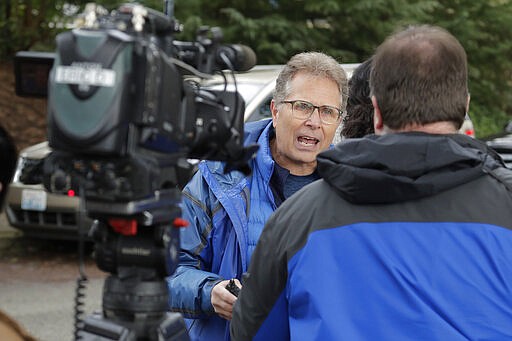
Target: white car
(38,213)
(502,144)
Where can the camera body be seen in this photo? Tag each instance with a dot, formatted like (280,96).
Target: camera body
(124,112)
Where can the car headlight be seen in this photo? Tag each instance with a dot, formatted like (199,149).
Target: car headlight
(29,171)
(17,172)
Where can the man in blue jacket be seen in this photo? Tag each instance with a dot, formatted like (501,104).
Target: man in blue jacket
(227,212)
(408,236)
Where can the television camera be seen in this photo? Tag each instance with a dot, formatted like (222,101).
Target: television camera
(126,110)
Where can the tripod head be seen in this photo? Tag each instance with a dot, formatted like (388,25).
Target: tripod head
(138,244)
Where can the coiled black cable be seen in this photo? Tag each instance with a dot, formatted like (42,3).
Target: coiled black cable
(81,282)
(81,286)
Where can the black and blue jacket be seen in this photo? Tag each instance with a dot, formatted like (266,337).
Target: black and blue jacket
(408,236)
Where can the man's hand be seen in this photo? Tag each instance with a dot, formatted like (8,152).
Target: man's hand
(223,300)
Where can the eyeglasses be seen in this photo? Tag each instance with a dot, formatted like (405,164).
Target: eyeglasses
(303,110)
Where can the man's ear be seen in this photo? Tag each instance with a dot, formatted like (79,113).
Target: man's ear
(378,125)
(274,111)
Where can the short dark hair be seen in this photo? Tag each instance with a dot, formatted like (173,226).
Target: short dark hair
(358,121)
(419,75)
(8,158)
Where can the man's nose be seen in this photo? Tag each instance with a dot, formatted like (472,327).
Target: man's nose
(314,119)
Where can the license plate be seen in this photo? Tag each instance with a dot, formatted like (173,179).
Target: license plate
(33,200)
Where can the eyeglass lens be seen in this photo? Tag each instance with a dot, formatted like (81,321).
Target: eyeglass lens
(303,110)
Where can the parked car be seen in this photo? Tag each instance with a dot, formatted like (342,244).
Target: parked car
(502,143)
(38,213)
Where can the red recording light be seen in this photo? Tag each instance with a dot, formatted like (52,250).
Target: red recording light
(71,193)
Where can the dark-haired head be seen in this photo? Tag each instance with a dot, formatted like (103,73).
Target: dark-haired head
(419,76)
(358,121)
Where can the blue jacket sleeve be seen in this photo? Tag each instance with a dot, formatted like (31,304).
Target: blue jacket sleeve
(191,285)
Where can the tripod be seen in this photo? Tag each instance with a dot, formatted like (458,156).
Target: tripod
(138,245)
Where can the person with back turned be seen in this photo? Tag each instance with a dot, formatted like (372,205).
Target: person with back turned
(408,236)
(228,211)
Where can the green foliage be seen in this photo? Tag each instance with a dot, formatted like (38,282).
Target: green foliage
(483,28)
(33,24)
(20,25)
(349,30)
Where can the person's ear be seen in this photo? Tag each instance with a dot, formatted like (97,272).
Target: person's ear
(274,111)
(378,125)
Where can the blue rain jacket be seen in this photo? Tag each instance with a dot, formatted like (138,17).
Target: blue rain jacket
(227,213)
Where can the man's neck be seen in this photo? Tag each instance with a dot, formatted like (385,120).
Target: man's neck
(443,127)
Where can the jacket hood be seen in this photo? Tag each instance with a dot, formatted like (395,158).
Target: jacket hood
(253,130)
(254,133)
(403,166)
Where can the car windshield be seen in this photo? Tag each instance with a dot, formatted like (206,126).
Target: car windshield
(247,90)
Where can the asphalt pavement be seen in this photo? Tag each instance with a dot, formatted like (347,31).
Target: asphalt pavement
(6,231)
(38,284)
(46,310)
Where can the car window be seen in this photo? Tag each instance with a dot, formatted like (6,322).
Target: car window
(247,90)
(263,111)
(250,92)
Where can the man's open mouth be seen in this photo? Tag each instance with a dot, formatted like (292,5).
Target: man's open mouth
(307,141)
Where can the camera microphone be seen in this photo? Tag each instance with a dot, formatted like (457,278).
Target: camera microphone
(241,57)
